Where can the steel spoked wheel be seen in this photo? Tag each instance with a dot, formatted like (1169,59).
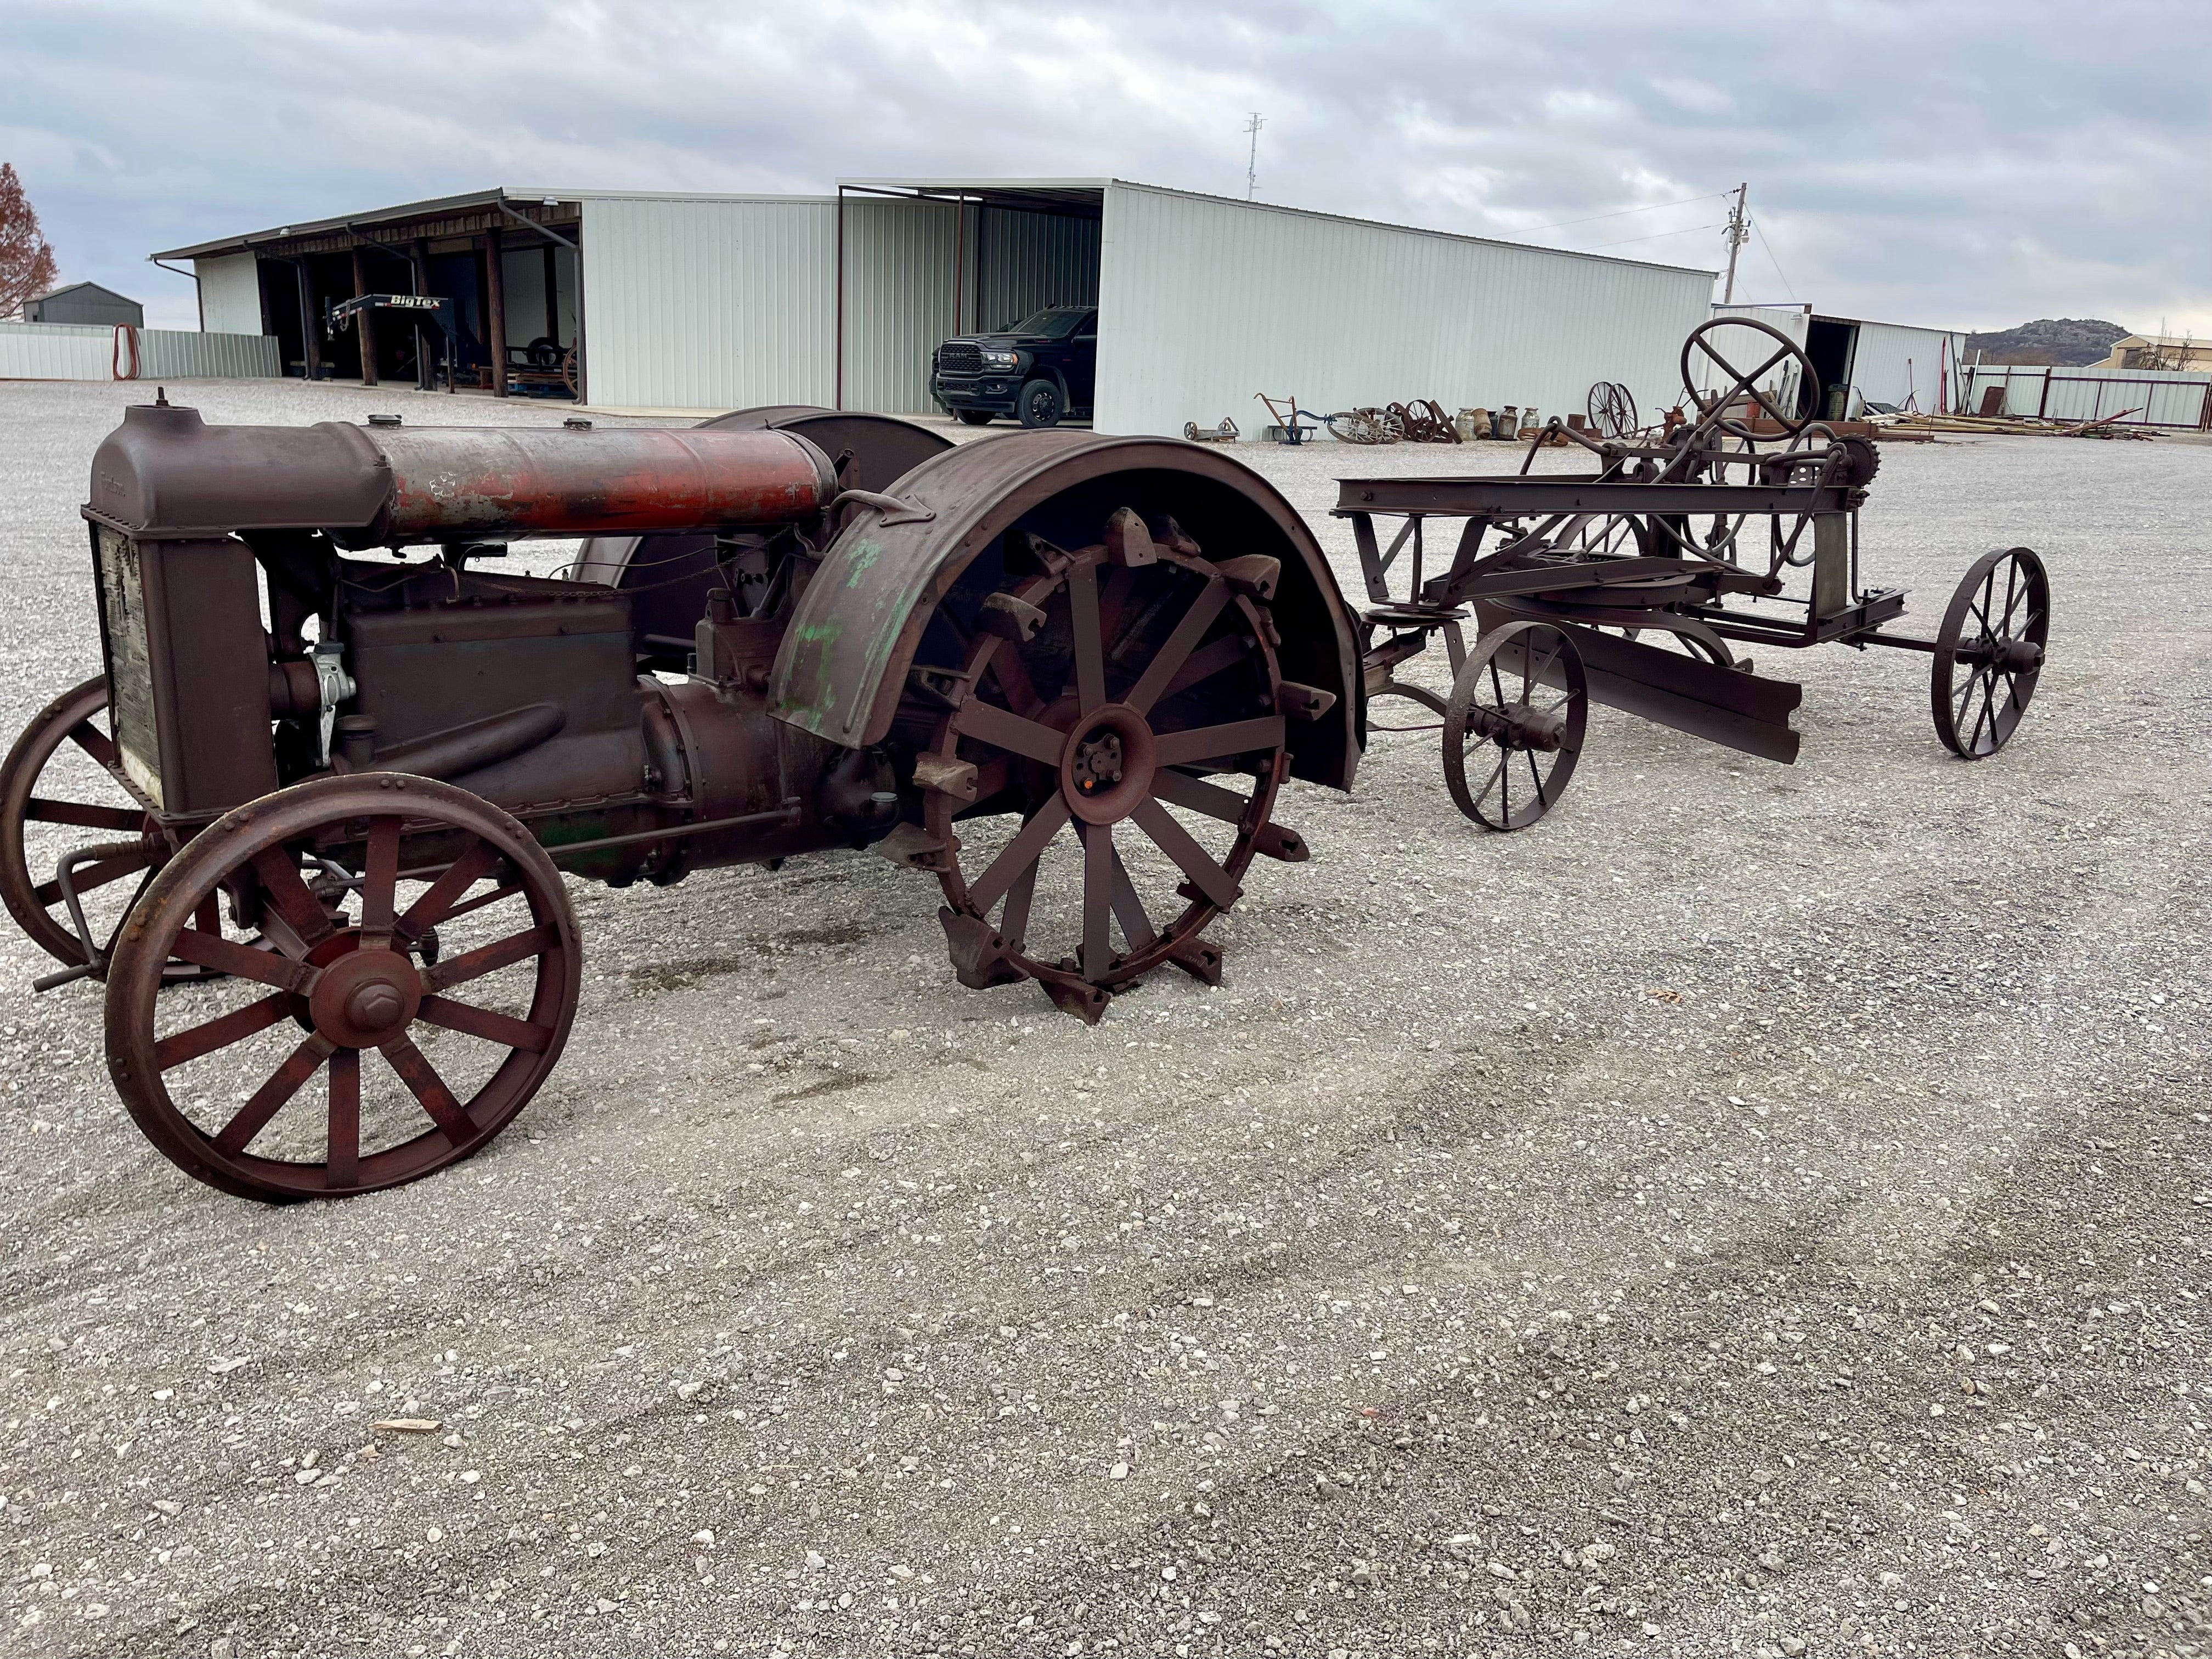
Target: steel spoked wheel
(1126,704)
(1988,652)
(1513,728)
(377,897)
(63,792)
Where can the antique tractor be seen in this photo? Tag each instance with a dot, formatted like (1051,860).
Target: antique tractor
(320,804)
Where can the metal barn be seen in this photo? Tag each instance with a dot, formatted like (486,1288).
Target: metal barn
(681,303)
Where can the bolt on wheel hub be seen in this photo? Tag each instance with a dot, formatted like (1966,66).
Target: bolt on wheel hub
(1106,770)
(363,998)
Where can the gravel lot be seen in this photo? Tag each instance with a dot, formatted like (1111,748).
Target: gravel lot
(1761,1210)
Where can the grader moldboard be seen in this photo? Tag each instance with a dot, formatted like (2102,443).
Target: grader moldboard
(335,795)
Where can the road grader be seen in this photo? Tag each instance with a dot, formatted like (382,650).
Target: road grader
(311,826)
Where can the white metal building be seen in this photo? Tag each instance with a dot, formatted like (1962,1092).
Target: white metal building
(1873,362)
(683,302)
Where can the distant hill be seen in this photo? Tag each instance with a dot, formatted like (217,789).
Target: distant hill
(2066,342)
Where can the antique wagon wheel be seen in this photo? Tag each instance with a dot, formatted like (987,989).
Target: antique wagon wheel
(568,372)
(1096,693)
(409,852)
(1611,409)
(1521,697)
(64,771)
(1994,627)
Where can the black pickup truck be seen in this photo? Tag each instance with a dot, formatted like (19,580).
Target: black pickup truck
(1039,371)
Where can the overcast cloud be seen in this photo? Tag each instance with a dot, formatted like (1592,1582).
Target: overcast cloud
(1966,164)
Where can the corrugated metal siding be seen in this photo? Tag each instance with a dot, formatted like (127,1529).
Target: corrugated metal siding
(708,305)
(1030,260)
(1891,363)
(180,354)
(230,293)
(1746,348)
(899,301)
(2168,397)
(1204,302)
(65,351)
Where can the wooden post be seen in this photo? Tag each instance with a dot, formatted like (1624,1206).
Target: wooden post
(495,310)
(364,330)
(426,349)
(310,344)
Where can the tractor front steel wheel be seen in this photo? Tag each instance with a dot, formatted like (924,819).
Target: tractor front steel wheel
(370,896)
(62,787)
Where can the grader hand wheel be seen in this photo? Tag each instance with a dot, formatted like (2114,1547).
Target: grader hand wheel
(1746,383)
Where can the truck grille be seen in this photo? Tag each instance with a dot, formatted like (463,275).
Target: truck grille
(960,360)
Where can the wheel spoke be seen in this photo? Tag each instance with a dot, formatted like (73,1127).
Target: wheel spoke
(1014,676)
(1220,887)
(1097,895)
(463,873)
(83,814)
(487,958)
(171,1051)
(1002,728)
(1129,909)
(1212,742)
(1535,777)
(423,1082)
(1200,797)
(1020,853)
(341,1160)
(208,950)
(89,876)
(1089,644)
(302,1063)
(280,880)
(1014,920)
(1204,664)
(1171,655)
(486,1022)
(379,883)
(97,743)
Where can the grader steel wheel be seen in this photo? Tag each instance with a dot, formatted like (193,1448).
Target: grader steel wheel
(1522,698)
(1995,630)
(215,1076)
(1100,694)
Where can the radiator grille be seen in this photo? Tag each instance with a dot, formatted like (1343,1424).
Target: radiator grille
(960,359)
(129,672)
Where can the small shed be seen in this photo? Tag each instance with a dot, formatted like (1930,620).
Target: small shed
(83,303)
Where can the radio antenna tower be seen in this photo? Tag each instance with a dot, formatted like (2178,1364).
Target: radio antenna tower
(1252,156)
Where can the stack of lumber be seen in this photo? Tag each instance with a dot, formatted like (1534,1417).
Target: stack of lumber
(2009,426)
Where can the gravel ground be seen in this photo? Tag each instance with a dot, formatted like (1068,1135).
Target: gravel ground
(1761,1210)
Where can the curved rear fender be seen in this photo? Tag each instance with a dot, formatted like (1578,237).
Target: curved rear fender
(843,665)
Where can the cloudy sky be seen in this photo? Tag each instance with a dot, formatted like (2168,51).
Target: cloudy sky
(1948,162)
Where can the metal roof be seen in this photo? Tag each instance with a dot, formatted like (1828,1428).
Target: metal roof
(1062,193)
(79,288)
(439,207)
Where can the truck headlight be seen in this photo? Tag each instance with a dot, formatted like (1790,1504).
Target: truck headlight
(1002,360)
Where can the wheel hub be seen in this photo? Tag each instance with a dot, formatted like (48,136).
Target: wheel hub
(365,998)
(1106,770)
(1520,726)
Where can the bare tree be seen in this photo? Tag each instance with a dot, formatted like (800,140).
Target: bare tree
(27,262)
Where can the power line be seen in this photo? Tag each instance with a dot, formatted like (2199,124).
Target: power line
(1772,261)
(1653,237)
(1654,207)
(1252,158)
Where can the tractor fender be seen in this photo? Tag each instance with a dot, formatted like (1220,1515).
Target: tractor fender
(842,667)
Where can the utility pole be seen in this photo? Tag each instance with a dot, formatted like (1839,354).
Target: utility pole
(1252,156)
(1737,233)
